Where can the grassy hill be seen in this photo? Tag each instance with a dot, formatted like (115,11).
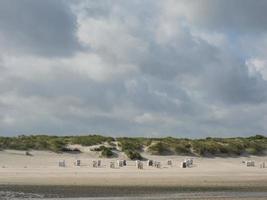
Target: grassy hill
(132,147)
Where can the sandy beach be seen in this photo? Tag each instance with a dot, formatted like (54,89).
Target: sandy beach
(42,169)
(209,178)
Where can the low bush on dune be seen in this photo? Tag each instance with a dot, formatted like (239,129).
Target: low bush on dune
(257,137)
(133,155)
(170,145)
(183,149)
(159,148)
(51,143)
(90,140)
(70,150)
(209,148)
(99,148)
(107,153)
(133,144)
(102,147)
(132,147)
(230,146)
(256,148)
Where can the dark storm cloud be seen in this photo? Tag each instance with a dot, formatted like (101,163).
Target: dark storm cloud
(235,86)
(153,95)
(45,28)
(178,57)
(245,16)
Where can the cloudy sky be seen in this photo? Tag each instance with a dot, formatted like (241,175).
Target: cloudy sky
(134,68)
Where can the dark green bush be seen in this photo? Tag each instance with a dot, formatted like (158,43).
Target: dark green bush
(183,149)
(133,155)
(90,140)
(160,148)
(107,153)
(206,147)
(133,144)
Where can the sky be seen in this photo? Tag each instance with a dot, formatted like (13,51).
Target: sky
(152,68)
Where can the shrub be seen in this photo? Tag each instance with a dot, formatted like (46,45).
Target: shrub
(133,144)
(235,148)
(159,148)
(68,150)
(183,149)
(133,155)
(106,152)
(206,147)
(90,140)
(101,148)
(257,137)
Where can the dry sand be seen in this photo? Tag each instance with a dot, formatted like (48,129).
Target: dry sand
(42,169)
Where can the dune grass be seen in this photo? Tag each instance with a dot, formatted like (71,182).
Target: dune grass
(133,147)
(52,143)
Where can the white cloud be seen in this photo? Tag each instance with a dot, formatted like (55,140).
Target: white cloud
(96,68)
(256,66)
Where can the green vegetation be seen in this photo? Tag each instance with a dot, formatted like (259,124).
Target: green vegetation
(256,145)
(134,144)
(41,142)
(133,155)
(90,140)
(133,147)
(183,148)
(230,146)
(170,145)
(160,148)
(51,143)
(105,151)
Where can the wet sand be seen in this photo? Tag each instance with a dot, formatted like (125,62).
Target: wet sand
(125,192)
